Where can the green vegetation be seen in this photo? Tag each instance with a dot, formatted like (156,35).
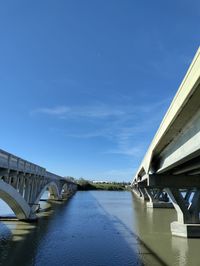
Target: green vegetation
(88,185)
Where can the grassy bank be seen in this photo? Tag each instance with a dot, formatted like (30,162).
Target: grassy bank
(87,185)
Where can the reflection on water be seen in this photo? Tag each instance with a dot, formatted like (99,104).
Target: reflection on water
(96,228)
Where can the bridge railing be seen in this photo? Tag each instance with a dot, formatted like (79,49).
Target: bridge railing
(12,162)
(3,159)
(52,176)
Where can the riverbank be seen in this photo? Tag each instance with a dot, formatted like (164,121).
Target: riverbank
(87,185)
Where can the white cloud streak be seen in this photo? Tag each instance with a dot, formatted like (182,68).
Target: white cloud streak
(101,111)
(56,111)
(120,124)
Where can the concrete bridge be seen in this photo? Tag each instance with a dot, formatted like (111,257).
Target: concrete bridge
(23,183)
(171,166)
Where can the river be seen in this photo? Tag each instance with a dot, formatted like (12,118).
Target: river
(96,228)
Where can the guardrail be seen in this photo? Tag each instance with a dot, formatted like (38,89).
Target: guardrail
(12,162)
(52,176)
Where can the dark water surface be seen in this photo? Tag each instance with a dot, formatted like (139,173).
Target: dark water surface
(97,228)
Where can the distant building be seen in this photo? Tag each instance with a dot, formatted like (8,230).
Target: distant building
(101,182)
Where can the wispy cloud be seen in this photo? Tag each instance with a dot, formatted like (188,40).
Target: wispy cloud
(123,126)
(135,151)
(101,111)
(120,113)
(55,111)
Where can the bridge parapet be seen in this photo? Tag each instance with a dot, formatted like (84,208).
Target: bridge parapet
(12,162)
(52,176)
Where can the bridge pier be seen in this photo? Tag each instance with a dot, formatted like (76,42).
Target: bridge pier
(136,191)
(157,198)
(143,194)
(188,221)
(140,193)
(21,184)
(28,187)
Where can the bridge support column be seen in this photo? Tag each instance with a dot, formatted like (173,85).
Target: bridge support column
(157,198)
(32,191)
(21,185)
(136,191)
(188,224)
(143,194)
(52,197)
(27,188)
(15,181)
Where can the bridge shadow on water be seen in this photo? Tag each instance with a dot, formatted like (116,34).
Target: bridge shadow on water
(130,241)
(153,227)
(81,231)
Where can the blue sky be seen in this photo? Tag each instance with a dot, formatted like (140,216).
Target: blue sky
(85,84)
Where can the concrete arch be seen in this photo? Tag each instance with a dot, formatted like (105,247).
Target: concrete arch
(15,201)
(65,187)
(54,194)
(54,190)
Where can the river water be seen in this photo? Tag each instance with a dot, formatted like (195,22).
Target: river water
(96,228)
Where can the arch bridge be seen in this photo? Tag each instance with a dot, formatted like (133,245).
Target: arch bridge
(171,166)
(23,183)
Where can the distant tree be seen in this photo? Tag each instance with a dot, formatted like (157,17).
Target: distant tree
(70,178)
